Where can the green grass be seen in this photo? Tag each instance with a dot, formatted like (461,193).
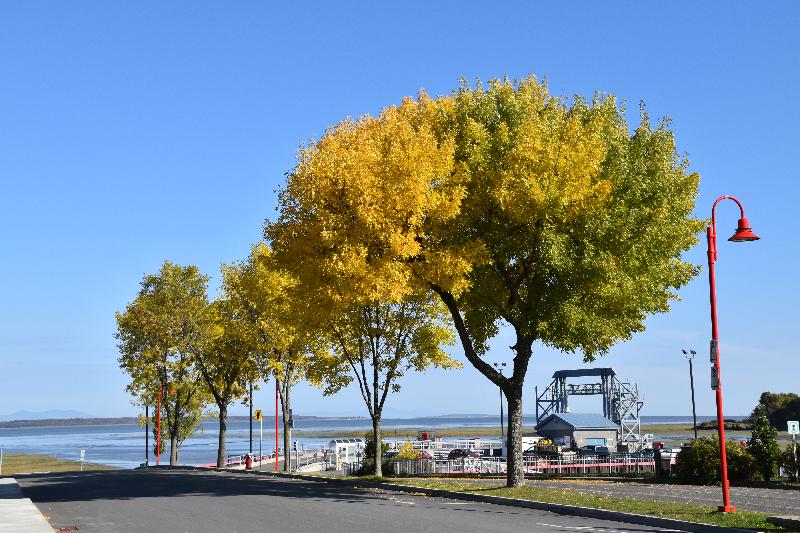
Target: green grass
(17,463)
(679,511)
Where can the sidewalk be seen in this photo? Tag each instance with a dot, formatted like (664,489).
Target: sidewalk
(19,514)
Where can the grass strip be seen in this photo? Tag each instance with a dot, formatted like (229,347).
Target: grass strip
(680,511)
(17,463)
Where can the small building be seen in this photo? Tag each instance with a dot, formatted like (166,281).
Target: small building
(577,430)
(347,450)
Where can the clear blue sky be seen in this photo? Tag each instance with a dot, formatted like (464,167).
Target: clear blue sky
(133,132)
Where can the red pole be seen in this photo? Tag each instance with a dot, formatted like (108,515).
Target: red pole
(276,423)
(726,506)
(743,233)
(158,428)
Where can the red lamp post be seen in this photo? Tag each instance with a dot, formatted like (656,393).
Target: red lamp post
(743,233)
(158,424)
(276,424)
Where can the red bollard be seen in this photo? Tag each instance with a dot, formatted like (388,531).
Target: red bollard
(248,461)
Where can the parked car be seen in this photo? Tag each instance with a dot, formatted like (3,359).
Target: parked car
(425,454)
(594,451)
(602,451)
(458,453)
(391,454)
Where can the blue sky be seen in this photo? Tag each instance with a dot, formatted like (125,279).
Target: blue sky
(133,132)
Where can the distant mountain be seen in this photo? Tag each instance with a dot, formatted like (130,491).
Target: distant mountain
(44,415)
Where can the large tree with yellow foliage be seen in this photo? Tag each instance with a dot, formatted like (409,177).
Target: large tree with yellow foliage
(517,208)
(280,325)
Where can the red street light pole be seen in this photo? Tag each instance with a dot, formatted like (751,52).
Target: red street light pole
(276,424)
(158,424)
(743,233)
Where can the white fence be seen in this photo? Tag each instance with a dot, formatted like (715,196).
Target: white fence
(611,465)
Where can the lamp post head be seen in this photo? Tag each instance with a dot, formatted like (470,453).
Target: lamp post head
(744,232)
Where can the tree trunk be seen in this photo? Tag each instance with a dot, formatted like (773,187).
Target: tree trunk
(377,448)
(173,450)
(223,427)
(287,430)
(515,473)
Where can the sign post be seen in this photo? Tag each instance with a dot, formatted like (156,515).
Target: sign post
(794,429)
(83,458)
(260,419)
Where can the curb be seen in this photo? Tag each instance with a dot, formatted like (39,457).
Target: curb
(559,508)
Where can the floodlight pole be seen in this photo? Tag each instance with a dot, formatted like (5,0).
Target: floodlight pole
(690,355)
(499,367)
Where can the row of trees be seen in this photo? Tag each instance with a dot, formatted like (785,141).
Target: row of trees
(497,205)
(174,341)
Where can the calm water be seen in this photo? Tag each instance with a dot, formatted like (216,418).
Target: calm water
(123,445)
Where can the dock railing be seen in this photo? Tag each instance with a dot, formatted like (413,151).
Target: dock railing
(615,464)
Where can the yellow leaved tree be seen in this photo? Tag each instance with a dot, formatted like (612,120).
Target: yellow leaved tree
(281,327)
(516,208)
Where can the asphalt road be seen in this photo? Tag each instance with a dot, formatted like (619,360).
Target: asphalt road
(775,501)
(187,501)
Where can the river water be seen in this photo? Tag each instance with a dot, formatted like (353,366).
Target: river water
(123,445)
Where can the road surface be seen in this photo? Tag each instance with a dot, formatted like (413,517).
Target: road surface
(191,501)
(773,501)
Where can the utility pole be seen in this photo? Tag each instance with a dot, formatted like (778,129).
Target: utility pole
(690,355)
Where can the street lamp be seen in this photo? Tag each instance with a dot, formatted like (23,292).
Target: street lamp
(743,233)
(690,355)
(499,367)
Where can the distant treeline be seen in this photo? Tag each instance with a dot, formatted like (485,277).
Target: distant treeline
(729,424)
(780,406)
(53,422)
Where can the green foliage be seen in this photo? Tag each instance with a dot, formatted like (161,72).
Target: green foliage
(788,462)
(763,445)
(580,224)
(376,344)
(159,334)
(514,206)
(700,463)
(369,450)
(780,407)
(729,424)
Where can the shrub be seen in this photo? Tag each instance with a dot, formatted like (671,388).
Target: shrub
(787,461)
(407,451)
(369,449)
(763,445)
(699,464)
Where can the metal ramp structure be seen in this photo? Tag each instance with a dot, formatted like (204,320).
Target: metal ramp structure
(621,401)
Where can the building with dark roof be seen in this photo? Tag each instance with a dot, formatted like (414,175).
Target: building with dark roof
(579,429)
